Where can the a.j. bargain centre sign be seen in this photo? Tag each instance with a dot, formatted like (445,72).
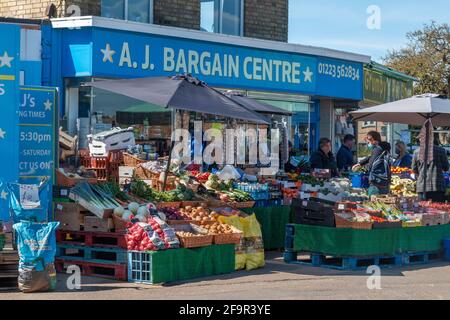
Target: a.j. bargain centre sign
(100,52)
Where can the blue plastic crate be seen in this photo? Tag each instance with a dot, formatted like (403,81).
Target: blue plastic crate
(359,180)
(140,267)
(447,243)
(447,179)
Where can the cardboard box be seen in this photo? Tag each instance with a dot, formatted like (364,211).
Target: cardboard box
(95,224)
(70,215)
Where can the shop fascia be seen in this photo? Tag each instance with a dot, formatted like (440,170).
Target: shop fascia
(206,63)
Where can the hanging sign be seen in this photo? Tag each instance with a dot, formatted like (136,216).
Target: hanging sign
(37,132)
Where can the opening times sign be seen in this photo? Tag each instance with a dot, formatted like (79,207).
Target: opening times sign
(37,132)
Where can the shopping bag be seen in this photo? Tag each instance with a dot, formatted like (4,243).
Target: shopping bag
(37,249)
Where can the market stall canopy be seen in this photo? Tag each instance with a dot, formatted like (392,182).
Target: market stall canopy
(180,92)
(255,105)
(414,111)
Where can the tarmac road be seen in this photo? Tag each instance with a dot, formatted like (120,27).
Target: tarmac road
(276,280)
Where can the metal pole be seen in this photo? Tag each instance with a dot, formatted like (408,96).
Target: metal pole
(427,141)
(172,144)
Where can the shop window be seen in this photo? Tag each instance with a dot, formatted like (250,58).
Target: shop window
(131,10)
(222,16)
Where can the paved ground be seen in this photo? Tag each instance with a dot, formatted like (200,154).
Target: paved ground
(276,281)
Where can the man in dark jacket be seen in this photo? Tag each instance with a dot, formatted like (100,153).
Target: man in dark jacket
(324,158)
(344,157)
(435,184)
(374,144)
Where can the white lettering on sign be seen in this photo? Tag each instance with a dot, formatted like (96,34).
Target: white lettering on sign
(29,100)
(169,62)
(125,55)
(2,89)
(208,64)
(146,64)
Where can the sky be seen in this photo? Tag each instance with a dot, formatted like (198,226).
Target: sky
(342,24)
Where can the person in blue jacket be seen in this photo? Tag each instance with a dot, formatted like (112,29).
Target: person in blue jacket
(344,156)
(404,159)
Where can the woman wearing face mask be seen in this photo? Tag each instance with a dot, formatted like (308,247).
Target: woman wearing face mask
(404,159)
(378,169)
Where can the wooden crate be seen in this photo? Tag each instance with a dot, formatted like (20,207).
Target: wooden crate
(101,213)
(131,160)
(391,200)
(70,215)
(95,224)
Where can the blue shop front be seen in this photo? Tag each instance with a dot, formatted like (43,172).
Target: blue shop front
(319,86)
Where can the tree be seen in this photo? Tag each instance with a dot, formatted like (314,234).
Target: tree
(426,57)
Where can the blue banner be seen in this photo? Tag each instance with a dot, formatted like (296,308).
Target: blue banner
(9,78)
(114,54)
(37,134)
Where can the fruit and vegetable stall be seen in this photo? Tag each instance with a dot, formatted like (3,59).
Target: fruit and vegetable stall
(139,219)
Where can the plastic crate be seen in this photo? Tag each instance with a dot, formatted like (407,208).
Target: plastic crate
(140,267)
(447,179)
(359,180)
(447,243)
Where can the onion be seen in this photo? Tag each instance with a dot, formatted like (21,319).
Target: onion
(133,207)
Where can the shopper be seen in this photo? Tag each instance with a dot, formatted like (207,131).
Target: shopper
(344,157)
(435,184)
(377,164)
(404,159)
(324,158)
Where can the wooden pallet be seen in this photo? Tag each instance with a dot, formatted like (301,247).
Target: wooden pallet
(354,263)
(92,239)
(9,266)
(93,269)
(91,254)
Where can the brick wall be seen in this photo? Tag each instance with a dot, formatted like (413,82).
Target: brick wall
(266,19)
(35,9)
(263,19)
(177,13)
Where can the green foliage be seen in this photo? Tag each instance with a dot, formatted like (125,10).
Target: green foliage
(426,57)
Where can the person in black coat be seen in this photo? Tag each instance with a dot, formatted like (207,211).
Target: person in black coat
(324,158)
(344,156)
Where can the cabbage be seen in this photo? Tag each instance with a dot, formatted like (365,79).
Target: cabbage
(119,211)
(143,211)
(141,218)
(126,215)
(162,216)
(133,207)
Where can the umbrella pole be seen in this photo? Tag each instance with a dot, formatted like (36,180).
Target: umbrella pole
(172,145)
(166,173)
(427,141)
